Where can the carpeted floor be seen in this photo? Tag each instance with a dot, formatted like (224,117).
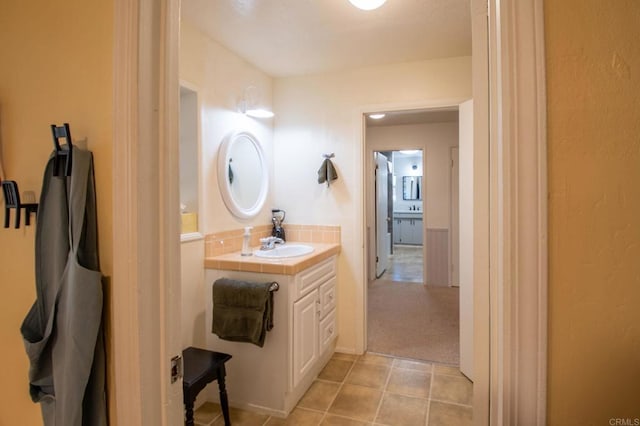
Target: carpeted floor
(410,320)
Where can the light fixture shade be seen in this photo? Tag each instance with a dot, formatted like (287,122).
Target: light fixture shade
(259,113)
(248,104)
(367,4)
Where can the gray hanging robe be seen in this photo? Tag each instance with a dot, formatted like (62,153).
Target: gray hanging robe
(62,332)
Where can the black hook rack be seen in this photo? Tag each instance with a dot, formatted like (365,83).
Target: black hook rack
(12,201)
(59,132)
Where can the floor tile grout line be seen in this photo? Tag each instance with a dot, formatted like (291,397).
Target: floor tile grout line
(433,376)
(340,384)
(344,379)
(384,390)
(442,401)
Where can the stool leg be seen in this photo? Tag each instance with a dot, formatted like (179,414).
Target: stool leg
(188,413)
(17,217)
(224,403)
(7,216)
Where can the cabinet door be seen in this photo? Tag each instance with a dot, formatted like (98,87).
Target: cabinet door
(417,231)
(396,231)
(405,231)
(305,335)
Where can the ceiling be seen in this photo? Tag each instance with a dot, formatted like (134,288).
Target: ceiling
(297,37)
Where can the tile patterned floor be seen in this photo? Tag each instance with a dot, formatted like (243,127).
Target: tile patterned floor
(405,264)
(370,390)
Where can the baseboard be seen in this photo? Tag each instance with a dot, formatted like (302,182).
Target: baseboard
(350,351)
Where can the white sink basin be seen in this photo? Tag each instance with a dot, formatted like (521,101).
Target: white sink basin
(284,251)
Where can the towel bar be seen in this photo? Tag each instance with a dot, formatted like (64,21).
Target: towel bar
(274,286)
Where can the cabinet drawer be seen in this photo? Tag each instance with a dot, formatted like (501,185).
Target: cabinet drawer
(314,276)
(327,296)
(328,330)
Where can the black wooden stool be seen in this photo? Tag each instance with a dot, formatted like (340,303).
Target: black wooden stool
(202,367)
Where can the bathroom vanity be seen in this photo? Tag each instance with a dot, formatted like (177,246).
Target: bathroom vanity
(273,378)
(407,227)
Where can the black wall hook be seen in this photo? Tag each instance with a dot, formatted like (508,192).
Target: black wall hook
(12,201)
(66,154)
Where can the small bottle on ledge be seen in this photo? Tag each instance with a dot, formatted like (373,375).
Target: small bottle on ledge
(246,241)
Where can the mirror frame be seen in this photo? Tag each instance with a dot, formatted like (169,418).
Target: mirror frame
(224,152)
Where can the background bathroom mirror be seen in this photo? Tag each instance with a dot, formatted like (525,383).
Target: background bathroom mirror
(411,188)
(243,176)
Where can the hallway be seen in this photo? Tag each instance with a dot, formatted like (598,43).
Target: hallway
(408,319)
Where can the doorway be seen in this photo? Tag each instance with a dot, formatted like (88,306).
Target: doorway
(520,51)
(400,257)
(412,309)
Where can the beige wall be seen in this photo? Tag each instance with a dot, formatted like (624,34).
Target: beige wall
(56,67)
(323,113)
(593,87)
(435,140)
(220,77)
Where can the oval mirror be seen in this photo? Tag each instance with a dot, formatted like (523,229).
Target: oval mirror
(243,176)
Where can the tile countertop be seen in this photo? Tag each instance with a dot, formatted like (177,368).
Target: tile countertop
(287,266)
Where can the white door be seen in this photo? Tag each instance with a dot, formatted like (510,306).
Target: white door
(466,237)
(382,214)
(454,258)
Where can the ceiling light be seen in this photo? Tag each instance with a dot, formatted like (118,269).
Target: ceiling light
(376,116)
(367,4)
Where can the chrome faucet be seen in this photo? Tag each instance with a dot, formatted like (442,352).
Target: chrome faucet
(269,243)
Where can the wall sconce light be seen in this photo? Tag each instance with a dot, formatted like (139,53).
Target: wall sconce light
(248,105)
(367,4)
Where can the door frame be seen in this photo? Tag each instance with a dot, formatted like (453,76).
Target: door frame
(454,218)
(145,291)
(369,198)
(518,212)
(508,40)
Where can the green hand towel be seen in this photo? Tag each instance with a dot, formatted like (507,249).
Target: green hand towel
(327,172)
(242,310)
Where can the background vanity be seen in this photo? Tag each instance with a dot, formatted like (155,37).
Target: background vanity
(407,228)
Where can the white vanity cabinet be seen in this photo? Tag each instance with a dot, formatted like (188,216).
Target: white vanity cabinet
(273,378)
(313,317)
(407,228)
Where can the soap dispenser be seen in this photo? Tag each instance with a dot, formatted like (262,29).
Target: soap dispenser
(246,241)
